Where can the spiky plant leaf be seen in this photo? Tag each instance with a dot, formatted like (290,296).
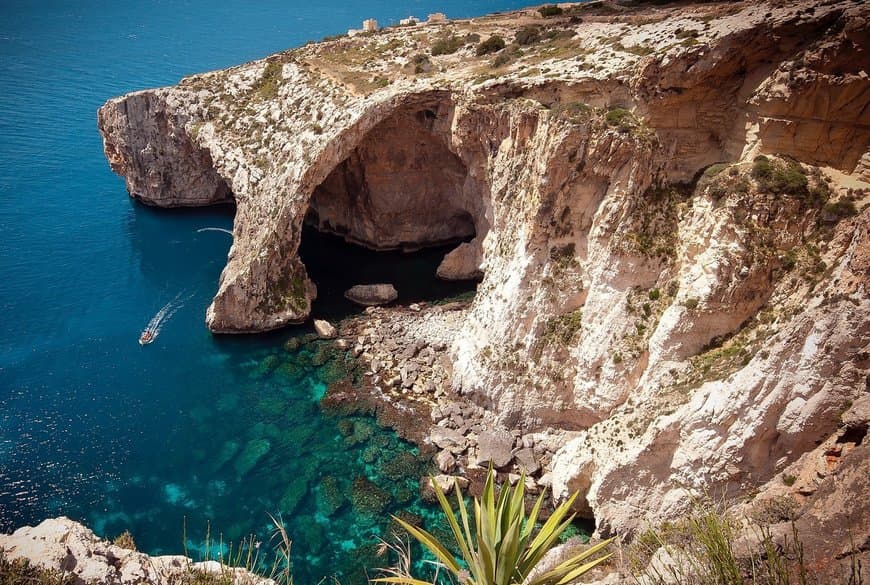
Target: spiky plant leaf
(501,547)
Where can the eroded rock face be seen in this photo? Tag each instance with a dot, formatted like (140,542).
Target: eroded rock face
(401,187)
(64,545)
(687,335)
(153,151)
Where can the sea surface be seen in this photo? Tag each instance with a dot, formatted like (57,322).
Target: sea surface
(193,434)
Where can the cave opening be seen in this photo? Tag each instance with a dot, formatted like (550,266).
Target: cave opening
(335,265)
(392,211)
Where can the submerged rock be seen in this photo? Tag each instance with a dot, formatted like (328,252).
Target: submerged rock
(296,490)
(401,465)
(371,294)
(227,452)
(330,497)
(368,498)
(253,452)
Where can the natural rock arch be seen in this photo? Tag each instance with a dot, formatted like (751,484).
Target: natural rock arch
(401,186)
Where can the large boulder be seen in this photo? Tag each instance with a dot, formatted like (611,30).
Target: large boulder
(461,263)
(449,439)
(325,329)
(370,295)
(495,447)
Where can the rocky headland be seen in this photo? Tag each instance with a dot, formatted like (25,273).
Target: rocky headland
(667,208)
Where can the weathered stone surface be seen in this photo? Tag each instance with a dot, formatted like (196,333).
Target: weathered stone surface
(64,545)
(495,447)
(445,460)
(448,482)
(372,294)
(461,263)
(527,461)
(325,329)
(449,439)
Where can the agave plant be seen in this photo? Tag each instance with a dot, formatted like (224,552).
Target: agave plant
(502,547)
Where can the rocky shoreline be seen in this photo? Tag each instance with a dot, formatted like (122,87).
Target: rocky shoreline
(403,358)
(80,557)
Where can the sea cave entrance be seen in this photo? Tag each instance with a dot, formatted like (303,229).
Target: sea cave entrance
(392,210)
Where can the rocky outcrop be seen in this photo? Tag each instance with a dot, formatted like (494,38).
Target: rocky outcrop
(681,327)
(158,158)
(63,545)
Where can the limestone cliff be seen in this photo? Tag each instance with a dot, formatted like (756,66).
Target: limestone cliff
(692,327)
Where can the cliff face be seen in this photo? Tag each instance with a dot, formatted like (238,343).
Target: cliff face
(690,333)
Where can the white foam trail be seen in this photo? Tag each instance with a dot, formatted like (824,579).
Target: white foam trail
(214,229)
(165,314)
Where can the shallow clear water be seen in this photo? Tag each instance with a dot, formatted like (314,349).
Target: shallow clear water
(211,430)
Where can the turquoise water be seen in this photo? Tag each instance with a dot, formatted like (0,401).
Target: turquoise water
(192,430)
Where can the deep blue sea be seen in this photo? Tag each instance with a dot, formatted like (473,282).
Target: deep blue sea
(193,432)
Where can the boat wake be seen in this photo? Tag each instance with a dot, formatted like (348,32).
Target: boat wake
(214,229)
(152,330)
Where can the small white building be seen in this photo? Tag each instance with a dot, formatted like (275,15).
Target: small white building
(370,25)
(436,17)
(411,20)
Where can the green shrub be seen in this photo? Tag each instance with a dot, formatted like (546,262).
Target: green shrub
(706,546)
(447,45)
(270,81)
(789,259)
(493,44)
(564,328)
(780,179)
(125,540)
(550,10)
(714,170)
(528,35)
(691,303)
(839,210)
(21,572)
(421,62)
(654,294)
(621,118)
(789,480)
(500,545)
